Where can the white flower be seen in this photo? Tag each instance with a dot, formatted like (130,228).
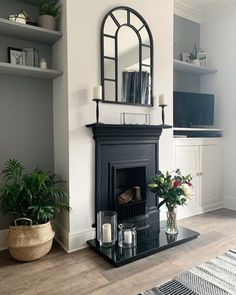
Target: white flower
(186,189)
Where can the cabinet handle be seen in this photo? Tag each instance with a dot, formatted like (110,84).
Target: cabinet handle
(199,174)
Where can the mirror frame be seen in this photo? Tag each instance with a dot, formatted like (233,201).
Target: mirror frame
(103,57)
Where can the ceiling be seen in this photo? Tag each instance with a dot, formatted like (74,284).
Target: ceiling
(203,9)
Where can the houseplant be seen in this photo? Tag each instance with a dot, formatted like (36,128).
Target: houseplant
(48,10)
(175,190)
(31,200)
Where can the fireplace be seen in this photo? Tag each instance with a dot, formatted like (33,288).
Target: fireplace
(126,159)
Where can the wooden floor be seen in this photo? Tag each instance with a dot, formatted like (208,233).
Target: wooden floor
(84,272)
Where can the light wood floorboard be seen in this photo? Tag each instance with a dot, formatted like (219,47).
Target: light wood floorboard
(84,272)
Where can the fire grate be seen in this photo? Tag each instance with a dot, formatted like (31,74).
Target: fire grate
(130,210)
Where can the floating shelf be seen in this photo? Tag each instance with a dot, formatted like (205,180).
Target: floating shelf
(33,2)
(28,32)
(26,71)
(196,129)
(184,67)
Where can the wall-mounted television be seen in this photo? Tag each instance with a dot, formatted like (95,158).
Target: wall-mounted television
(193,109)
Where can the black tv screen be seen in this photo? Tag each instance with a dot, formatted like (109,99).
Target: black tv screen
(193,109)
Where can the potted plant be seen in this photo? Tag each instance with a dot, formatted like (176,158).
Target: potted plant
(31,200)
(48,10)
(175,190)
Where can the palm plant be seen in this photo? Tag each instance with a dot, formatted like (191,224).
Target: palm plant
(37,195)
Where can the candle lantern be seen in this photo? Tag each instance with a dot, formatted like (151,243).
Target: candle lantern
(127,236)
(107,228)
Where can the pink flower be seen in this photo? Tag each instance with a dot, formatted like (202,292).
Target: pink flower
(190,184)
(177,183)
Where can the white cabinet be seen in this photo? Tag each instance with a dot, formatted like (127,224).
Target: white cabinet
(202,158)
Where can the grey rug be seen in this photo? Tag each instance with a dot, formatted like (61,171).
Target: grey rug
(215,277)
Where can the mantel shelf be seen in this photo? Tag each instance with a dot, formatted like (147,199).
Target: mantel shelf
(184,67)
(28,32)
(26,71)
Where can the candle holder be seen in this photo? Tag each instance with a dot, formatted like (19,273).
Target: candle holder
(127,237)
(107,228)
(97,100)
(163,113)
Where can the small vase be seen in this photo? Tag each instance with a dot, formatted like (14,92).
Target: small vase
(171,222)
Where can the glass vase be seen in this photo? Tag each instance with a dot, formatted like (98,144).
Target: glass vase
(171,222)
(107,228)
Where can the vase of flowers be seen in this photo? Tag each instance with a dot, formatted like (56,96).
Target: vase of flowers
(175,189)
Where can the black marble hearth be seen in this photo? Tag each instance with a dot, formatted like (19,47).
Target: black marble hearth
(149,241)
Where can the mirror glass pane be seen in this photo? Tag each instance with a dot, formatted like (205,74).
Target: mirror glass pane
(135,21)
(109,69)
(146,85)
(109,90)
(144,36)
(146,55)
(109,47)
(128,65)
(110,27)
(121,16)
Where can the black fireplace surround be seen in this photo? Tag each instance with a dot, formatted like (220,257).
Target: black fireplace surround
(126,157)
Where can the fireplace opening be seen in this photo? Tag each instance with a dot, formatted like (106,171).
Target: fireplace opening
(130,192)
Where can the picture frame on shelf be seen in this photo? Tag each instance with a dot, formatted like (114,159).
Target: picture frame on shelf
(185,57)
(16,56)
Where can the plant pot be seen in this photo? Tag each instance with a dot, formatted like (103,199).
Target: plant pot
(29,242)
(47,22)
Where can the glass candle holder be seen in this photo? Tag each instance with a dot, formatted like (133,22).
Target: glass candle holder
(107,228)
(127,237)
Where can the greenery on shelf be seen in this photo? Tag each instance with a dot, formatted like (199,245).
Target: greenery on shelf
(49,8)
(37,195)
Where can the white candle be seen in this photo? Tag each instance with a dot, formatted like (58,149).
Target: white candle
(43,63)
(106,233)
(97,92)
(128,236)
(162,100)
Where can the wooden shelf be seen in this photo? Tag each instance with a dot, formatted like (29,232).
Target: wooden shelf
(28,32)
(26,71)
(184,67)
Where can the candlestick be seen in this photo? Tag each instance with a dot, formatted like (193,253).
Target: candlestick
(97,100)
(97,92)
(162,100)
(106,233)
(163,113)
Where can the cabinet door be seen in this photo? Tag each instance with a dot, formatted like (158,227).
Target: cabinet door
(210,179)
(187,160)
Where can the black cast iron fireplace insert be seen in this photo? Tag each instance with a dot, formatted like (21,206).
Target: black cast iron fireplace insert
(126,159)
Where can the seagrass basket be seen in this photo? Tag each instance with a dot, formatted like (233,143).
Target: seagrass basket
(29,242)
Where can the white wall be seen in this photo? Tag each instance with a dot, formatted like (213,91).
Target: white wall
(83,36)
(218,36)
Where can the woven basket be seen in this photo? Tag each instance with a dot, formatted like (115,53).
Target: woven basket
(29,242)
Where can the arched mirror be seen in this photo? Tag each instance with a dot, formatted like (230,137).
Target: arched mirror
(126,58)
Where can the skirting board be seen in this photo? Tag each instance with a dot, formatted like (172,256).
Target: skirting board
(72,242)
(230,202)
